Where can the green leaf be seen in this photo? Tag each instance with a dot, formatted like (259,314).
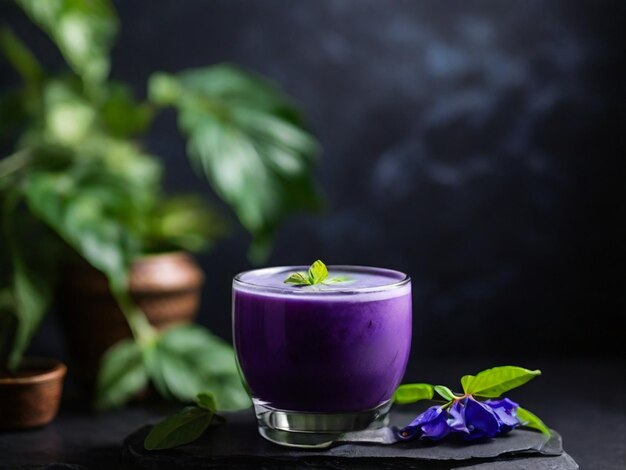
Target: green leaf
(33,294)
(89,213)
(412,393)
(188,360)
(83,30)
(181,428)
(530,420)
(299,279)
(182,222)
(20,57)
(122,115)
(444,392)
(466,382)
(493,382)
(69,118)
(121,376)
(32,288)
(207,401)
(317,272)
(245,136)
(8,326)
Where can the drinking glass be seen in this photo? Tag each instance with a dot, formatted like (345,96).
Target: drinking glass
(321,360)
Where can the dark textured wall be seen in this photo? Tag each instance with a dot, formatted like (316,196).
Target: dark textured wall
(477,145)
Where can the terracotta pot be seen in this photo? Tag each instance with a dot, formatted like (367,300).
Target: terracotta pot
(165,286)
(31,397)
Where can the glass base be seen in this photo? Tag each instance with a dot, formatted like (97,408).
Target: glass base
(315,430)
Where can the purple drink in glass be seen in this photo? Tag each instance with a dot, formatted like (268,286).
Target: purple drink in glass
(321,360)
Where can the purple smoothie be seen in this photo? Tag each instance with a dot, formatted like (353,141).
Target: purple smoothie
(324,348)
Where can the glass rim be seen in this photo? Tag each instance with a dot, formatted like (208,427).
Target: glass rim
(403,281)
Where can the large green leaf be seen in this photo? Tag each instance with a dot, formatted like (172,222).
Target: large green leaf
(466,380)
(88,214)
(493,382)
(121,376)
(179,429)
(412,393)
(83,30)
(188,360)
(246,137)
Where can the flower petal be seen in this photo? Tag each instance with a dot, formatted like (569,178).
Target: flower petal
(456,417)
(505,411)
(480,419)
(433,415)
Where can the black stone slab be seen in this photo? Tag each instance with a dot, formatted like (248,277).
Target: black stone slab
(237,444)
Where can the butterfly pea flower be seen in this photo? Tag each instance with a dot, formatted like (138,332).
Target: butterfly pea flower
(432,423)
(464,416)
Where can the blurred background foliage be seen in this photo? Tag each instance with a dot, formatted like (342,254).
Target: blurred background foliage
(476,145)
(78,183)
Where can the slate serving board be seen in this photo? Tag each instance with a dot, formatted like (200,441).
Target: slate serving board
(237,445)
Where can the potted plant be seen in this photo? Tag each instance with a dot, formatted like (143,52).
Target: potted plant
(30,388)
(80,195)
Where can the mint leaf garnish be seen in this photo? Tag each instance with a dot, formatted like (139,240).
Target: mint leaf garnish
(299,279)
(317,274)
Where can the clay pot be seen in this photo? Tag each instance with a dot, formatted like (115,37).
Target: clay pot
(165,286)
(31,396)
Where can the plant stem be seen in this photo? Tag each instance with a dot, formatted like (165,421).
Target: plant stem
(139,325)
(15,162)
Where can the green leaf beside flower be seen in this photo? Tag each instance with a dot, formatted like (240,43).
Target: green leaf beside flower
(491,383)
(530,420)
(479,391)
(412,393)
(444,392)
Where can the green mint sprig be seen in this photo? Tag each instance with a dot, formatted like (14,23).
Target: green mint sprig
(317,274)
(185,426)
(490,383)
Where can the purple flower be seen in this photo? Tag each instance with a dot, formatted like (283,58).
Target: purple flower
(479,418)
(467,417)
(505,411)
(431,423)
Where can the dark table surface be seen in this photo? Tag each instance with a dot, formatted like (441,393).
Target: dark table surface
(583,399)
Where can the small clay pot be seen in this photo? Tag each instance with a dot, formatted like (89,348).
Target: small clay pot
(165,286)
(30,397)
